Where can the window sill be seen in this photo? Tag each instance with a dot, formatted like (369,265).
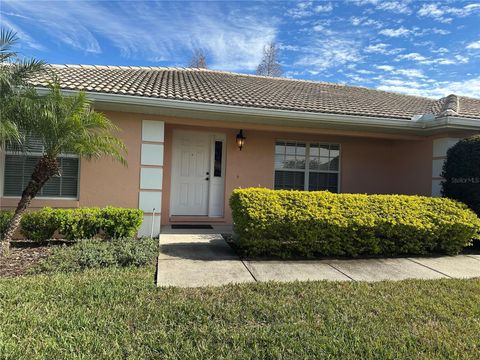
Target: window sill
(11,202)
(42,198)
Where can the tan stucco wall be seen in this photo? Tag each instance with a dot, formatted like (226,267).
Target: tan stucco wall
(104,181)
(370,162)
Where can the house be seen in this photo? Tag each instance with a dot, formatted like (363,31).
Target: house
(193,135)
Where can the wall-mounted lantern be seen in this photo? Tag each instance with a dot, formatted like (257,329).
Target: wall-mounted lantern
(240,140)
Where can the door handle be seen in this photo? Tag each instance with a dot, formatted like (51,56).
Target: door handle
(208,173)
(207,178)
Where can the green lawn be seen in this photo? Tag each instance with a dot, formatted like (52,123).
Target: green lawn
(118,313)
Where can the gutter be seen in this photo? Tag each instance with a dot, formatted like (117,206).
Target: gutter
(171,107)
(454,122)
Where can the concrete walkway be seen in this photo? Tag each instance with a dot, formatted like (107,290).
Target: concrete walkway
(192,260)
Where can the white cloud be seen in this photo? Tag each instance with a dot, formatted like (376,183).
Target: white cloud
(401,31)
(474,45)
(22,35)
(357,78)
(364,2)
(381,48)
(412,56)
(323,8)
(445,14)
(440,31)
(308,8)
(430,10)
(394,6)
(328,53)
(443,61)
(355,20)
(441,50)
(233,41)
(365,72)
(401,82)
(365,21)
(456,60)
(434,89)
(385,67)
(412,73)
(399,7)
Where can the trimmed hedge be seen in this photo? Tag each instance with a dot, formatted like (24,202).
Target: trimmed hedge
(80,223)
(75,224)
(39,225)
(120,223)
(5,217)
(285,223)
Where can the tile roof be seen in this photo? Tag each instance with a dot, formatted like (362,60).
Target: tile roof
(219,87)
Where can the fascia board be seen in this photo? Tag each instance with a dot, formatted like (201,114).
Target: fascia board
(123,102)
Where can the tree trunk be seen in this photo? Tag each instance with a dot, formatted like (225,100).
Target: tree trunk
(45,168)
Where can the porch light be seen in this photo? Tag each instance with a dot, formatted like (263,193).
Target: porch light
(240,140)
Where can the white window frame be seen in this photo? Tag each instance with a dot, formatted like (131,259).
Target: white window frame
(307,170)
(3,155)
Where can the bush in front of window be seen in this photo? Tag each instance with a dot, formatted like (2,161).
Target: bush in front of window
(77,224)
(39,225)
(461,172)
(5,217)
(86,223)
(312,224)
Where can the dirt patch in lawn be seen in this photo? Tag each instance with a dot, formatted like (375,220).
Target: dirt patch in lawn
(23,255)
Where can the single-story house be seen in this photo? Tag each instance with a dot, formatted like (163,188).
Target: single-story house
(194,135)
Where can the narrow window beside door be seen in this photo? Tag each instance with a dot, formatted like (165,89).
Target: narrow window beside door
(217,169)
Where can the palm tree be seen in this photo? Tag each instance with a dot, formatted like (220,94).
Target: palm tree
(63,124)
(14,75)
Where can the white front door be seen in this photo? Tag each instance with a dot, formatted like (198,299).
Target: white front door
(190,173)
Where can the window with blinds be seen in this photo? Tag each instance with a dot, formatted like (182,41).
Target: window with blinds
(306,166)
(19,167)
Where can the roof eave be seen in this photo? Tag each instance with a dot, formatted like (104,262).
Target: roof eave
(453,123)
(233,113)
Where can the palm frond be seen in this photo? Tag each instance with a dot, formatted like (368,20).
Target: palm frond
(15,72)
(8,38)
(8,133)
(67,124)
(24,69)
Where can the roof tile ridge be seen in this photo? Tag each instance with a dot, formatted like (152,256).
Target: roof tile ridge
(449,106)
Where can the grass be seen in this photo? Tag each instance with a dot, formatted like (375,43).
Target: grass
(118,313)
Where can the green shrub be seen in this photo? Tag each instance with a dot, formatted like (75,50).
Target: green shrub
(81,223)
(461,172)
(120,223)
(98,253)
(5,217)
(284,223)
(39,225)
(76,224)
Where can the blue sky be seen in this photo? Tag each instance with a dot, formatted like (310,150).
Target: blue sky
(421,48)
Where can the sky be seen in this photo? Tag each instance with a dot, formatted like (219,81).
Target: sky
(414,47)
